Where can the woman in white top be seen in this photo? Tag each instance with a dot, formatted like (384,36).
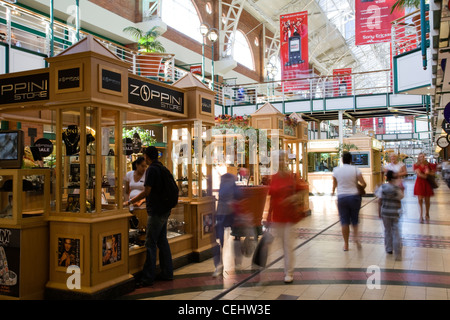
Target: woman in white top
(395,166)
(134,182)
(345,180)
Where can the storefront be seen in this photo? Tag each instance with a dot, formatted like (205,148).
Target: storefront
(323,156)
(66,217)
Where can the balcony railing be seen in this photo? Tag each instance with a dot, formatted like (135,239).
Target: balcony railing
(406,33)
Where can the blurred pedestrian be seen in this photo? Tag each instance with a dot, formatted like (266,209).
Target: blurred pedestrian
(286,206)
(422,188)
(223,217)
(345,180)
(398,167)
(389,210)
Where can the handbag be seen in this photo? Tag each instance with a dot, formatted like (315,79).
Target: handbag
(432,181)
(298,201)
(361,189)
(262,249)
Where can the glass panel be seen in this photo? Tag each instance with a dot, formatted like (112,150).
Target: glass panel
(322,161)
(70,161)
(6,197)
(33,200)
(79,143)
(110,156)
(176,225)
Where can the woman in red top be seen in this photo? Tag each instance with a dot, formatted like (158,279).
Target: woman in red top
(285,199)
(422,188)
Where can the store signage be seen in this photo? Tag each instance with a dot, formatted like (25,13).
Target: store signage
(33,87)
(9,262)
(206,105)
(150,95)
(111,80)
(373,20)
(447,112)
(324,144)
(45,147)
(446,126)
(69,78)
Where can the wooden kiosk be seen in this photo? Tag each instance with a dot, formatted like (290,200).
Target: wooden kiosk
(78,218)
(188,143)
(323,156)
(292,131)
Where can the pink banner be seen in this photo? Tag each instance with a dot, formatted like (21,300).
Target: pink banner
(294,50)
(373,20)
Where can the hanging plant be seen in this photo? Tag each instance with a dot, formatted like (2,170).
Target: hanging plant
(405,3)
(228,121)
(291,122)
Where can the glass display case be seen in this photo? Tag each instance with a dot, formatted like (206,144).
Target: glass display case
(89,160)
(24,195)
(189,163)
(322,161)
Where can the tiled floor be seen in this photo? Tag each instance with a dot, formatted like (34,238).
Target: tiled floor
(323,271)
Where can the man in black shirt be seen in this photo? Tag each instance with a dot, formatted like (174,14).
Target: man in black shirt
(156,223)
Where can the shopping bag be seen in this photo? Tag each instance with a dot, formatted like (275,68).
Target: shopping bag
(262,249)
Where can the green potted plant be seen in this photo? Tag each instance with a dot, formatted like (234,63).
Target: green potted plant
(150,58)
(405,3)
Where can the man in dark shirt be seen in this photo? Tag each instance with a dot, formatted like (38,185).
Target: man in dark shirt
(156,223)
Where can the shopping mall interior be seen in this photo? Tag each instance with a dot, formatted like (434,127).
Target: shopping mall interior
(219,87)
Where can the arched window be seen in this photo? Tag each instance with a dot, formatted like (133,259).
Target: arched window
(182,16)
(242,51)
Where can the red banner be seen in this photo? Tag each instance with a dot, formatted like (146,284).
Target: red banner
(380,124)
(294,50)
(366,124)
(342,82)
(373,20)
(196,69)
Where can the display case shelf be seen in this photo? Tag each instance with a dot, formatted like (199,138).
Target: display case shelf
(24,195)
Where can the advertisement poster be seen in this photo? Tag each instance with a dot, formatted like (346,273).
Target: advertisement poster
(111,249)
(9,262)
(366,124)
(294,50)
(342,82)
(373,20)
(380,125)
(69,250)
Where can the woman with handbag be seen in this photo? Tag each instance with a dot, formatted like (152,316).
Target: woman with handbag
(286,208)
(422,188)
(349,182)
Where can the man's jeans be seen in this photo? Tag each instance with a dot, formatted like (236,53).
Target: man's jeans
(157,237)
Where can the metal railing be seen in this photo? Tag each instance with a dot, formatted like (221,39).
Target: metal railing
(316,87)
(406,33)
(22,28)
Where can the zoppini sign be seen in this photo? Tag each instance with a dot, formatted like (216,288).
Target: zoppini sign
(24,88)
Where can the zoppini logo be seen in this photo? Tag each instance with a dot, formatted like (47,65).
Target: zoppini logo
(225,146)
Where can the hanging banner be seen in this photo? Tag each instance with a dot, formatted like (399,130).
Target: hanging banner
(373,20)
(366,124)
(342,82)
(294,50)
(380,125)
